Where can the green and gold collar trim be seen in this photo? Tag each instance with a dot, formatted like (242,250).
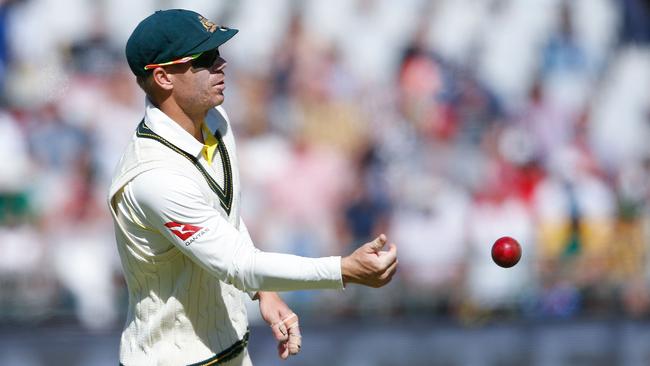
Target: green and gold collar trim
(225,194)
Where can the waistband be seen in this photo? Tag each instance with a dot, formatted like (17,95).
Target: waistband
(226,355)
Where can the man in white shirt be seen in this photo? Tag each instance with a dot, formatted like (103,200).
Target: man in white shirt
(185,251)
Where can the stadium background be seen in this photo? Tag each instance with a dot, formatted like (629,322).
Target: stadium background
(445,124)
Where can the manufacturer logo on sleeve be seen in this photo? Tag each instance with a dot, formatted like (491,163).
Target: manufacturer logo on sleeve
(183,231)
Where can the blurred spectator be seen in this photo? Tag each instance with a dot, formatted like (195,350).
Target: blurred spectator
(430,227)
(366,214)
(4,46)
(499,208)
(55,143)
(16,172)
(566,69)
(636,24)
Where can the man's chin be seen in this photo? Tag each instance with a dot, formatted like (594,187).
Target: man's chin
(218,101)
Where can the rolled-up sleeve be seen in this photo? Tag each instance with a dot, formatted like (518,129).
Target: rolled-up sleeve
(174,205)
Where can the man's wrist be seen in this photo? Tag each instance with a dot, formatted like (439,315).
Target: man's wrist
(345,270)
(263,294)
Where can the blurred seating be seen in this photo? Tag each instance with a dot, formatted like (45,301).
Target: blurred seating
(444,124)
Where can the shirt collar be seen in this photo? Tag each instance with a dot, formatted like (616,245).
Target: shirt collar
(210,144)
(171,131)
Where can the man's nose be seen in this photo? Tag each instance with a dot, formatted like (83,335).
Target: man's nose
(219,64)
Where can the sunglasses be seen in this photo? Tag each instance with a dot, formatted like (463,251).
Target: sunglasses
(198,61)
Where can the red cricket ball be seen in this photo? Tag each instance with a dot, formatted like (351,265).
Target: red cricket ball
(506,252)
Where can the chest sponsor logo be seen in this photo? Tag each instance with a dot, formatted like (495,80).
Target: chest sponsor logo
(184,231)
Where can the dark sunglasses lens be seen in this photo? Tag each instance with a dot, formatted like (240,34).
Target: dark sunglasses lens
(206,59)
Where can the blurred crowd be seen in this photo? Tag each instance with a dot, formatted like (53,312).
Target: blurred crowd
(444,124)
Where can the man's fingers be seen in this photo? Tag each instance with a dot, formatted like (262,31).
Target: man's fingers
(378,243)
(283,350)
(391,270)
(280,328)
(280,331)
(389,257)
(290,321)
(295,339)
(294,344)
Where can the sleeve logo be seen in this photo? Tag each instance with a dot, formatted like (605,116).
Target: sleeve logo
(183,231)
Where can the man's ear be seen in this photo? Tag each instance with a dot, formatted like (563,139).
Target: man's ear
(162,78)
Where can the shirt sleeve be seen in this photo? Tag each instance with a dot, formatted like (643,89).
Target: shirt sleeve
(243,229)
(174,205)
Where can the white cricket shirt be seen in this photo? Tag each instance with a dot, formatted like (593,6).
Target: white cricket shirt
(185,252)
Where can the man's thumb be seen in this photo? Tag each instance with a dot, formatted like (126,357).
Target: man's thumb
(378,243)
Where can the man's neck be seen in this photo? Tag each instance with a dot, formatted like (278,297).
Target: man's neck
(190,123)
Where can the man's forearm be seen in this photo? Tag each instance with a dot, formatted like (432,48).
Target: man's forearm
(261,271)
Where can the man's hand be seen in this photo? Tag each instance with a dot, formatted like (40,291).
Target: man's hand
(283,322)
(369,265)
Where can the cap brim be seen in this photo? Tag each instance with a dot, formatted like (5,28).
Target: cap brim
(219,37)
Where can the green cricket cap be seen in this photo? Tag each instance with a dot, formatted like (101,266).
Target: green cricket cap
(168,35)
